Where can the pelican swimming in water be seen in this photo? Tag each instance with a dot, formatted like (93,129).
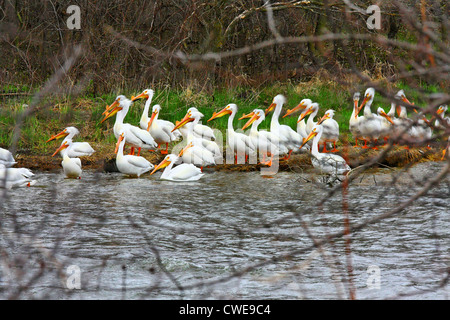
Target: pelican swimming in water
(15,177)
(73,149)
(71,165)
(6,158)
(130,164)
(325,162)
(136,137)
(239,143)
(182,172)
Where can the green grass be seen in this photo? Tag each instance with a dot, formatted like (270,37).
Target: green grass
(85,113)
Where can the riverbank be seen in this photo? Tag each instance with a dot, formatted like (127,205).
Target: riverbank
(103,160)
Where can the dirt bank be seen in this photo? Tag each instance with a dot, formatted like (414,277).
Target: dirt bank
(104,159)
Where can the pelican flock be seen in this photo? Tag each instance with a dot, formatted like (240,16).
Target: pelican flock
(201,148)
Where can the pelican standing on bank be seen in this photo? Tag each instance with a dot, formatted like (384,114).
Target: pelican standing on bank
(182,172)
(288,137)
(136,137)
(330,132)
(370,124)
(239,143)
(355,120)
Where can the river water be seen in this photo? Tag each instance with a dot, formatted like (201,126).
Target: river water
(147,238)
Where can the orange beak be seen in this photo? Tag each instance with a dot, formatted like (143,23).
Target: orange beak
(163,164)
(325,117)
(254,117)
(309,137)
(187,118)
(61,147)
(355,102)
(246,116)
(291,111)
(154,113)
(384,114)
(62,134)
(118,143)
(221,113)
(190,145)
(270,108)
(366,98)
(141,96)
(310,110)
(111,110)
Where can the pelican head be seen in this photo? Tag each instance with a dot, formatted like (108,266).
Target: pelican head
(313,107)
(155,111)
(119,104)
(170,158)
(62,147)
(442,109)
(368,97)
(191,115)
(279,100)
(229,109)
(305,103)
(382,113)
(122,137)
(328,115)
(256,115)
(314,132)
(146,94)
(67,131)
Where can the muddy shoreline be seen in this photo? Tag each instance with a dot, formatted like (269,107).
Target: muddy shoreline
(104,161)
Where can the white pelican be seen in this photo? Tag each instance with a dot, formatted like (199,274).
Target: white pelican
(136,137)
(166,125)
(6,158)
(301,124)
(288,137)
(330,130)
(182,172)
(355,120)
(161,134)
(197,155)
(15,177)
(369,124)
(209,145)
(441,112)
(386,123)
(71,165)
(200,130)
(130,164)
(263,141)
(325,162)
(238,142)
(73,149)
(312,111)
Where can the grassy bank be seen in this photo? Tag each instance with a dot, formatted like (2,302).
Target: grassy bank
(85,112)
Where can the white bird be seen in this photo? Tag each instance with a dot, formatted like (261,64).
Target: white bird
(265,142)
(386,123)
(73,149)
(166,125)
(355,120)
(6,158)
(330,130)
(130,164)
(325,162)
(210,146)
(288,136)
(441,112)
(15,177)
(201,130)
(182,172)
(161,133)
(136,137)
(369,124)
(239,143)
(301,124)
(71,165)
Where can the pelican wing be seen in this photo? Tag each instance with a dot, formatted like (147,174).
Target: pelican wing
(83,148)
(143,135)
(138,161)
(185,172)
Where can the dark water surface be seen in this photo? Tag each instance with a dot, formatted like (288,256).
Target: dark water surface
(146,238)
